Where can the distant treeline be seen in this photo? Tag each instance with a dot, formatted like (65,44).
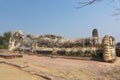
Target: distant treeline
(4,40)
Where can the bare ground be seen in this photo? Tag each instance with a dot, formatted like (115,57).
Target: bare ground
(65,69)
(8,72)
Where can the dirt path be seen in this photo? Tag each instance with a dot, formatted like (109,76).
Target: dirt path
(8,72)
(66,69)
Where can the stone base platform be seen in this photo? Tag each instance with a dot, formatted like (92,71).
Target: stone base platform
(10,55)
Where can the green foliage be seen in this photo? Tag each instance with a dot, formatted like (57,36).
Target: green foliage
(4,40)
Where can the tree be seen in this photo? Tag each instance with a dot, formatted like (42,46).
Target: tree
(91,2)
(88,2)
(118,44)
(1,41)
(4,40)
(6,36)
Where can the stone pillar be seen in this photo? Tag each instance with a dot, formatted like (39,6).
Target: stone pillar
(95,33)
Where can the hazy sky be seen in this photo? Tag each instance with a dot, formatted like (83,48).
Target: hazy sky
(59,17)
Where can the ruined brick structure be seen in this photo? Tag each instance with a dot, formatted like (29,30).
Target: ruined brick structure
(58,45)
